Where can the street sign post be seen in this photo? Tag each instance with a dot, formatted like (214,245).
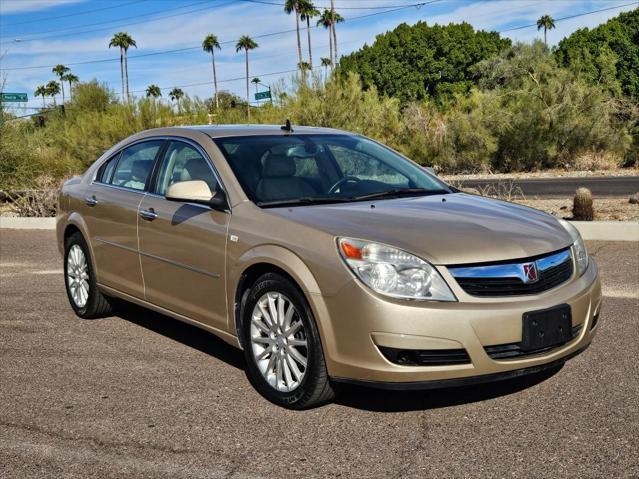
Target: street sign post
(263,95)
(13,97)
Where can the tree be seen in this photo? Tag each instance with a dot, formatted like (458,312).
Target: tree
(326,22)
(295,6)
(246,43)
(547,23)
(307,12)
(153,91)
(611,49)
(256,81)
(123,41)
(326,62)
(176,94)
(41,90)
(335,19)
(209,45)
(60,71)
(53,89)
(70,78)
(416,62)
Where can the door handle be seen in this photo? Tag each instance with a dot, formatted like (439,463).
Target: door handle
(91,201)
(149,214)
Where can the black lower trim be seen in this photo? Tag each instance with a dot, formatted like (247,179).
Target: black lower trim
(457,382)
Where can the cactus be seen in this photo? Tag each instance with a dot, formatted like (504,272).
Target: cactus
(582,209)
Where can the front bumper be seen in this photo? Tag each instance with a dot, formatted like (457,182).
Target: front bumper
(356,322)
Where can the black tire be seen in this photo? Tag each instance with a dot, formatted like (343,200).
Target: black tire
(315,387)
(97,305)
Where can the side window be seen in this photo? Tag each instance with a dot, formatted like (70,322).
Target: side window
(106,170)
(182,162)
(366,167)
(135,165)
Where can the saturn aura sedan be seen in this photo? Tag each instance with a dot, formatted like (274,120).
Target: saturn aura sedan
(326,257)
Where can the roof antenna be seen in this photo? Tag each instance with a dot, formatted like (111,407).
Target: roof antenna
(288,126)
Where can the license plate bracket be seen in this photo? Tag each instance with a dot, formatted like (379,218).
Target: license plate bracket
(547,327)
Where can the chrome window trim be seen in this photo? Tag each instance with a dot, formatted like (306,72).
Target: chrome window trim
(512,270)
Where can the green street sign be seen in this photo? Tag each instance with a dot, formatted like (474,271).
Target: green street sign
(18,97)
(263,95)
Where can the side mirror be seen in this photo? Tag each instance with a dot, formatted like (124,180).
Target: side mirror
(197,191)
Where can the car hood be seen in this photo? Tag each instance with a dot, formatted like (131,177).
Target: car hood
(443,229)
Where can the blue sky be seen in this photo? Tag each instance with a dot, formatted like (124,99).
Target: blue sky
(72,31)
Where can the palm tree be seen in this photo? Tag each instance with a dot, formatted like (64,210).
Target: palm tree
(246,43)
(291,6)
(326,62)
(335,19)
(53,89)
(256,81)
(176,94)
(41,90)
(153,91)
(124,41)
(209,44)
(309,11)
(325,21)
(60,71)
(547,23)
(71,79)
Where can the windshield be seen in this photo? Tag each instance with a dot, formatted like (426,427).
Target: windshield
(303,169)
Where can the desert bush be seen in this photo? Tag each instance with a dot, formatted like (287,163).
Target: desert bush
(42,201)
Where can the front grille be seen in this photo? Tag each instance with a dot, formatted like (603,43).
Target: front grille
(513,350)
(506,279)
(425,357)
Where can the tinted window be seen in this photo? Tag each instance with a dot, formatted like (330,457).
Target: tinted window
(135,165)
(106,170)
(323,168)
(183,162)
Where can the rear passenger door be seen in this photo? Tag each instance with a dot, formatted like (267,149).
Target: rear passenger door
(111,214)
(183,245)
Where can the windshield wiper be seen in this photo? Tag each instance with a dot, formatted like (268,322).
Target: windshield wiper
(305,200)
(401,192)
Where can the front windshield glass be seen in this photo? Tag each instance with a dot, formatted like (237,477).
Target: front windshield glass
(277,170)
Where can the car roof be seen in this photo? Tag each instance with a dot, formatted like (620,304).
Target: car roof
(216,131)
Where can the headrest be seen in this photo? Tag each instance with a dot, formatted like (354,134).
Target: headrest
(139,169)
(278,166)
(195,169)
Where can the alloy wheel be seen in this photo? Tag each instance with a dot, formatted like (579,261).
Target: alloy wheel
(78,276)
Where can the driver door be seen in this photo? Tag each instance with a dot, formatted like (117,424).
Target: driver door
(183,245)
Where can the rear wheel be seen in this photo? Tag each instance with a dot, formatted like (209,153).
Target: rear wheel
(84,296)
(282,347)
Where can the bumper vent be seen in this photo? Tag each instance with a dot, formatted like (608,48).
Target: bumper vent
(425,357)
(511,279)
(513,350)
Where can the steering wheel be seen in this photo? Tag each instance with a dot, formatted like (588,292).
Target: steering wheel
(340,182)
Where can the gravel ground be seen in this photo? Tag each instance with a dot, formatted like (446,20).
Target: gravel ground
(141,395)
(606,209)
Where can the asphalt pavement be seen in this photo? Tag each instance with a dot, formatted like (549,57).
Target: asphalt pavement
(142,395)
(563,187)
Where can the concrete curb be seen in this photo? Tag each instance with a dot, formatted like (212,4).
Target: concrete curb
(590,230)
(20,223)
(608,230)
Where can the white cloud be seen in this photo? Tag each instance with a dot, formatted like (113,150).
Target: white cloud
(22,6)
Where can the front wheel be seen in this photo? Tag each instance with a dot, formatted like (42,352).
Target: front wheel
(282,347)
(79,278)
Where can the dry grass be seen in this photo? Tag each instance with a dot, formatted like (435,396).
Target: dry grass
(606,209)
(41,201)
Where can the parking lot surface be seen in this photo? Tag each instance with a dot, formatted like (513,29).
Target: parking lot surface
(143,395)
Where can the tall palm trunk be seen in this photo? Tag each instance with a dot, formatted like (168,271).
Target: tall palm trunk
(122,71)
(70,92)
(330,43)
(44,105)
(126,73)
(248,104)
(217,104)
(299,41)
(308,36)
(62,85)
(334,43)
(545,39)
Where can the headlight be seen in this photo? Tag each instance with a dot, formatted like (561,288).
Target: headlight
(393,272)
(578,247)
